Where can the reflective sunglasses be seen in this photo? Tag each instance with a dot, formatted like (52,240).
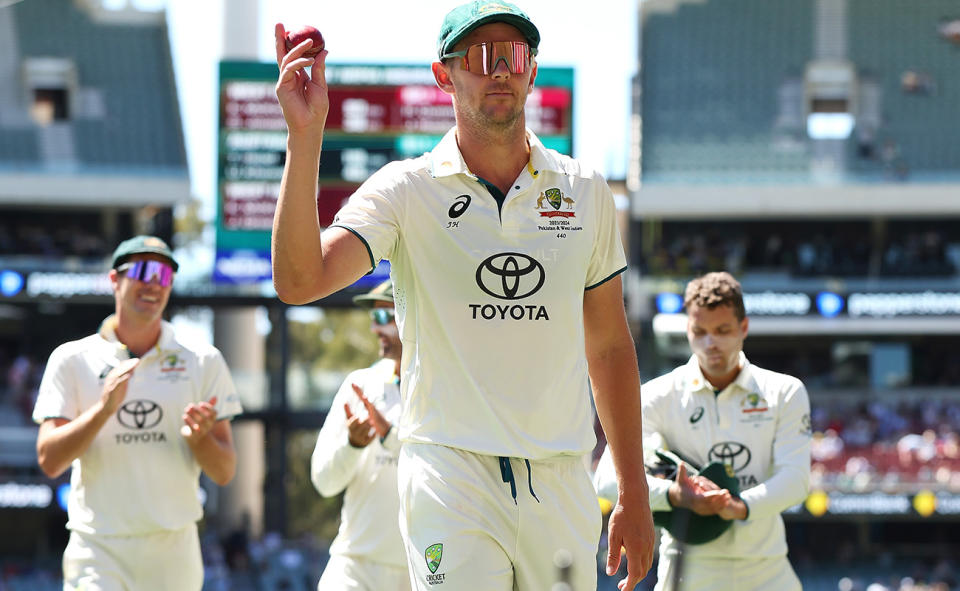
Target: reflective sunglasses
(483,58)
(148,271)
(381,316)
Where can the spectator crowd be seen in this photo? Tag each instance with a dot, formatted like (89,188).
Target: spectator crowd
(804,249)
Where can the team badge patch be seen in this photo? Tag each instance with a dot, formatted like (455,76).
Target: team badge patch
(433,555)
(754,403)
(555,199)
(173,363)
(559,211)
(493,8)
(173,367)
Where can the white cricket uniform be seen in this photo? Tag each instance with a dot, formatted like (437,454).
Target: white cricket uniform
(367,553)
(489,304)
(138,478)
(759,425)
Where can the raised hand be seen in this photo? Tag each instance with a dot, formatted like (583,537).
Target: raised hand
(374,417)
(302,93)
(115,384)
(198,419)
(359,431)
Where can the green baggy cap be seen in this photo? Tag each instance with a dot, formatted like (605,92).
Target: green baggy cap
(380,293)
(461,20)
(685,525)
(142,245)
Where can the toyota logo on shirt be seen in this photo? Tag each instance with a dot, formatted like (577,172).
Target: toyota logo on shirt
(510,276)
(730,453)
(139,414)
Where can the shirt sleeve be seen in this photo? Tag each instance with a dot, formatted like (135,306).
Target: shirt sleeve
(392,441)
(371,214)
(218,382)
(605,478)
(57,397)
(652,441)
(334,462)
(607,258)
(790,482)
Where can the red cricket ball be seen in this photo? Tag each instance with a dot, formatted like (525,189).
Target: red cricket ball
(294,38)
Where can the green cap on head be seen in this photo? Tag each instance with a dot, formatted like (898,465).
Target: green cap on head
(461,20)
(142,245)
(380,293)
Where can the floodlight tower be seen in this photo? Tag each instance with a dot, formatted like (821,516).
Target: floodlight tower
(235,332)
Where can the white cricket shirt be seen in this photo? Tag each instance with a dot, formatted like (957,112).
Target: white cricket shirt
(759,425)
(490,302)
(370,516)
(138,476)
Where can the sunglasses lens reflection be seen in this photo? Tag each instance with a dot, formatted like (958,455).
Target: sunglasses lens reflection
(381,316)
(483,58)
(149,271)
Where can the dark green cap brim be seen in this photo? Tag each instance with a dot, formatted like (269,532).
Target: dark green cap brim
(380,293)
(688,527)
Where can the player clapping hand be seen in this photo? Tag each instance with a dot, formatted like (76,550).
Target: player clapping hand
(198,419)
(362,431)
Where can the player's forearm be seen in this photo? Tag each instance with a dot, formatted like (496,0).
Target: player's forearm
(616,387)
(790,481)
(333,466)
(612,363)
(787,487)
(58,446)
(296,254)
(216,458)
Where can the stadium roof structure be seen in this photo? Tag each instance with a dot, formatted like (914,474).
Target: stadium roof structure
(730,90)
(88,107)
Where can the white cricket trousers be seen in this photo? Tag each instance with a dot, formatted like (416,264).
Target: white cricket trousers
(352,573)
(728,574)
(474,522)
(163,561)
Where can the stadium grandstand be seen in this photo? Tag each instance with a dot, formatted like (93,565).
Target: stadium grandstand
(91,151)
(793,143)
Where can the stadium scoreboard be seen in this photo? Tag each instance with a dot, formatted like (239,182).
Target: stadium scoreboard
(378,113)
